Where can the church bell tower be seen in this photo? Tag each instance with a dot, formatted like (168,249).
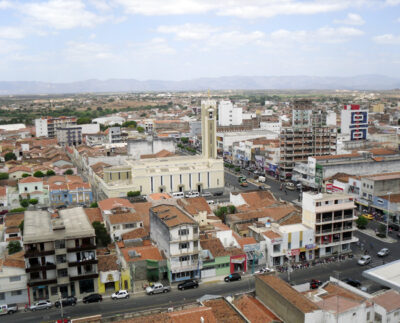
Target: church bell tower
(209,128)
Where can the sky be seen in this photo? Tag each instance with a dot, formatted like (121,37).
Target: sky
(75,40)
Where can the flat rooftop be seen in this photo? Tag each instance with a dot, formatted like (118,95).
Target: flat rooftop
(327,196)
(386,275)
(72,223)
(293,228)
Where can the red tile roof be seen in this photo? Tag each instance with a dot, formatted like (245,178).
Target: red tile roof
(124,218)
(135,234)
(111,203)
(144,253)
(389,300)
(246,241)
(223,312)
(195,205)
(30,179)
(94,214)
(107,263)
(254,310)
(172,215)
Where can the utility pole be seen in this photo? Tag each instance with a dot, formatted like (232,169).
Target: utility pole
(388,215)
(61,305)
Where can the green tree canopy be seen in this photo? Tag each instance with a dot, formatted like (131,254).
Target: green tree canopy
(102,237)
(33,201)
(38,174)
(84,120)
(133,193)
(140,129)
(14,247)
(21,227)
(69,172)
(50,172)
(129,124)
(3,176)
(24,203)
(94,204)
(10,156)
(362,222)
(25,175)
(185,140)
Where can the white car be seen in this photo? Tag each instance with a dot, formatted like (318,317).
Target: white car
(192,194)
(206,194)
(41,305)
(120,294)
(364,260)
(383,252)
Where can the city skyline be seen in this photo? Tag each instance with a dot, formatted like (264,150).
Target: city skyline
(73,40)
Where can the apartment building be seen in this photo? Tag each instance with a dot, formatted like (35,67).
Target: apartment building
(47,126)
(60,254)
(69,135)
(332,218)
(176,234)
(229,114)
(354,122)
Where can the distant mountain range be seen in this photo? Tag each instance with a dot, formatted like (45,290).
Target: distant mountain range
(361,82)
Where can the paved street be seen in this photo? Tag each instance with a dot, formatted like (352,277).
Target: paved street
(134,303)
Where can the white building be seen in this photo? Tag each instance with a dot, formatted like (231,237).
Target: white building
(331,118)
(109,121)
(176,234)
(13,288)
(272,126)
(229,114)
(47,126)
(332,218)
(354,122)
(11,127)
(91,128)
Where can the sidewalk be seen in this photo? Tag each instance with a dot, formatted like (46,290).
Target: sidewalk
(372,234)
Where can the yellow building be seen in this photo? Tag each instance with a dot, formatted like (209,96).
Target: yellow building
(111,277)
(378,108)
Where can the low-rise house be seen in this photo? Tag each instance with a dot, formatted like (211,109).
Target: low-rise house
(69,190)
(198,208)
(112,277)
(94,215)
(215,259)
(13,288)
(121,222)
(386,307)
(33,188)
(17,172)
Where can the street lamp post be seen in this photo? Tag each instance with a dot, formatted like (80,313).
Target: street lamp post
(388,215)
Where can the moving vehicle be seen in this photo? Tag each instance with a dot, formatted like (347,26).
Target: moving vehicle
(188,284)
(290,186)
(352,282)
(261,179)
(243,184)
(368,216)
(92,298)
(192,194)
(383,252)
(206,194)
(364,260)
(242,179)
(8,309)
(210,202)
(67,301)
(120,294)
(314,283)
(232,277)
(41,305)
(157,288)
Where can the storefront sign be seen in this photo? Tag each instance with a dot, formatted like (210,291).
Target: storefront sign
(294,252)
(310,246)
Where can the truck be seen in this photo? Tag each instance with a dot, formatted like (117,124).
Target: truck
(261,179)
(157,288)
(8,309)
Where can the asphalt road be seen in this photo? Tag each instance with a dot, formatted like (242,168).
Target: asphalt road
(134,303)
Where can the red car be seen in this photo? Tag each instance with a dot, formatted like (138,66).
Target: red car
(314,284)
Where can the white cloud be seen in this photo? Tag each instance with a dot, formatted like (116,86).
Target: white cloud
(188,31)
(392,2)
(8,47)
(61,14)
(351,19)
(388,39)
(81,51)
(321,35)
(5,4)
(248,9)
(156,46)
(101,5)
(11,33)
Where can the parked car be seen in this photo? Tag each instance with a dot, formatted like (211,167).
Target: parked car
(394,226)
(67,301)
(206,194)
(232,277)
(364,260)
(368,216)
(157,288)
(120,294)
(219,193)
(188,284)
(192,194)
(352,282)
(41,305)
(383,252)
(210,202)
(314,283)
(290,186)
(261,179)
(8,309)
(92,298)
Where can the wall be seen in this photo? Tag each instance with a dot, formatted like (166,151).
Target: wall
(139,147)
(90,128)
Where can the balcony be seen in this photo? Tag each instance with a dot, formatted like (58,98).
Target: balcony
(183,252)
(41,281)
(82,248)
(88,275)
(37,253)
(39,267)
(63,280)
(334,207)
(83,262)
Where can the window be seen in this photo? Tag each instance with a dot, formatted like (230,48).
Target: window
(62,272)
(16,292)
(195,244)
(184,258)
(2,296)
(318,204)
(15,278)
(208,179)
(183,232)
(86,286)
(60,259)
(36,188)
(301,243)
(26,189)
(184,245)
(151,183)
(336,201)
(170,183)
(60,244)
(195,230)
(180,178)
(289,245)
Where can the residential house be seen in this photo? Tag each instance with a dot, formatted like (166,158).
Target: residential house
(33,188)
(17,172)
(386,306)
(112,277)
(198,208)
(121,222)
(13,288)
(69,190)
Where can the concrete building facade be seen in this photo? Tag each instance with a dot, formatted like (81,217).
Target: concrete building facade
(229,114)
(47,126)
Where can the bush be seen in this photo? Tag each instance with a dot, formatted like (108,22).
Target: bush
(133,193)
(50,172)
(25,175)
(17,210)
(14,247)
(33,201)
(129,124)
(362,222)
(140,129)
(10,156)
(24,203)
(231,209)
(102,237)
(38,174)
(3,176)
(237,169)
(185,140)
(69,172)
(94,204)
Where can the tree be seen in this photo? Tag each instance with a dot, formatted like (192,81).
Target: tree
(25,175)
(33,201)
(185,140)
(84,120)
(362,222)
(14,247)
(38,174)
(50,172)
(231,209)
(69,172)
(129,124)
(94,204)
(237,169)
(10,156)
(133,193)
(3,176)
(21,227)
(102,237)
(24,203)
(382,230)
(140,129)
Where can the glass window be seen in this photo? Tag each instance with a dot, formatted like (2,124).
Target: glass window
(53,290)
(184,245)
(16,292)
(60,244)
(15,278)
(86,286)
(2,296)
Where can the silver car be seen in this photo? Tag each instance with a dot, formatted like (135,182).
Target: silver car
(364,260)
(41,305)
(383,252)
